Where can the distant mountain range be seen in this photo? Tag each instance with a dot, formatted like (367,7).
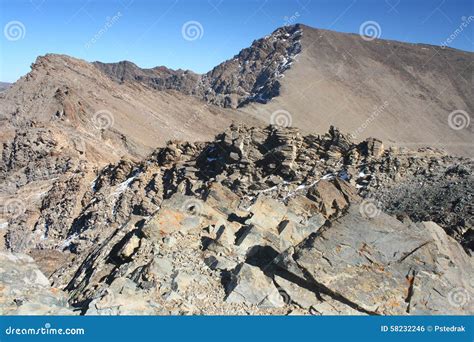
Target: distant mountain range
(316,78)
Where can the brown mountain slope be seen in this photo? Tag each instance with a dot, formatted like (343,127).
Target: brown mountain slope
(311,78)
(402,93)
(77,102)
(253,75)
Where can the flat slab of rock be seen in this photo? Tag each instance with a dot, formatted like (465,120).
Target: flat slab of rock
(24,290)
(181,213)
(267,213)
(122,298)
(250,285)
(384,266)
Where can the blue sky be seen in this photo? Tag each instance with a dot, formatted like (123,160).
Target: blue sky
(149,33)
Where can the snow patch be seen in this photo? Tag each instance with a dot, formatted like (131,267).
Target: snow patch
(124,185)
(66,243)
(329,176)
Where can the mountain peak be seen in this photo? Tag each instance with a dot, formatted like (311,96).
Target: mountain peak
(319,77)
(56,60)
(253,75)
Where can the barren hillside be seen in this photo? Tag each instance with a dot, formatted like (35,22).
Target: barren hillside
(399,92)
(312,78)
(156,191)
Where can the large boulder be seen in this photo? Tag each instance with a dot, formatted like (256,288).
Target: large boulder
(250,285)
(380,265)
(25,290)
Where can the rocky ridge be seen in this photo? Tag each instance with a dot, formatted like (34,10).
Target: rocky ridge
(96,219)
(258,221)
(318,78)
(253,75)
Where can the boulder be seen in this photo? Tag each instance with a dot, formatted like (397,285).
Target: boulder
(181,281)
(374,147)
(250,285)
(221,198)
(161,267)
(383,266)
(330,199)
(129,247)
(24,289)
(179,213)
(267,213)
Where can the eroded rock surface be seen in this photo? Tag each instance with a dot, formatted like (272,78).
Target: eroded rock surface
(258,221)
(25,290)
(253,75)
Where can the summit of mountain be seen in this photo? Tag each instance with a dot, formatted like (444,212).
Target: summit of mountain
(126,185)
(315,78)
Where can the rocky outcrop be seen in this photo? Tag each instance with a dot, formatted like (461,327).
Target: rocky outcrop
(25,290)
(382,266)
(254,74)
(251,76)
(262,220)
(159,78)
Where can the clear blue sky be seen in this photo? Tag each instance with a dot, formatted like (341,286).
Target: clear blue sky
(149,33)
